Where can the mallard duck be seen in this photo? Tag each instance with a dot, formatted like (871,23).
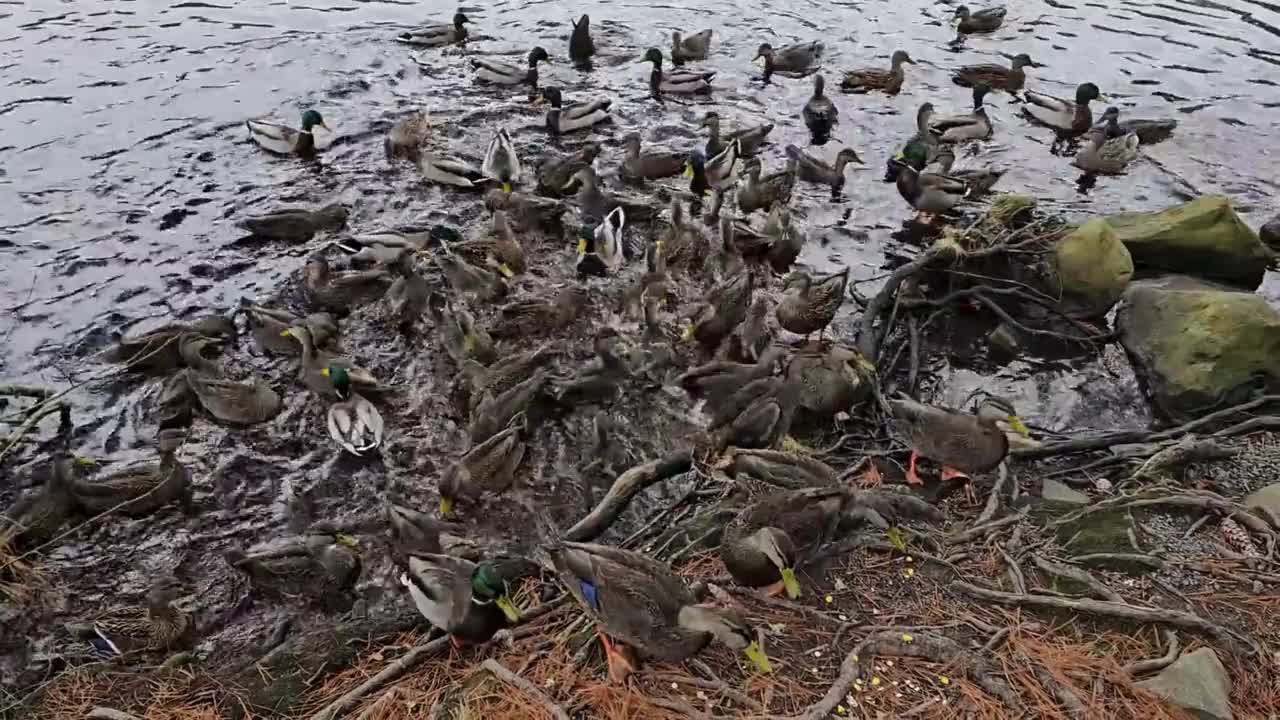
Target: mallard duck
(978,180)
(765,541)
(820,114)
(231,401)
(830,380)
(497,412)
(1068,118)
(449,170)
(809,304)
(724,309)
(785,239)
(925,137)
(720,171)
(929,193)
(983,21)
(466,279)
(816,170)
(581,48)
(1104,156)
(961,442)
(970,126)
(683,244)
(750,138)
(501,163)
(463,338)
(413,532)
(284,140)
(501,73)
(122,630)
(1149,131)
(998,77)
(603,244)
(750,341)
(599,381)
(780,469)
(649,165)
(641,602)
(675,82)
(759,415)
(161,350)
(498,249)
(316,366)
(524,211)
(694,47)
(406,138)
(717,380)
(295,224)
(579,116)
(868,79)
(320,564)
(387,247)
(795,59)
(467,600)
(529,317)
(140,488)
(594,205)
(338,292)
(504,374)
(438,34)
(761,194)
(354,422)
(37,515)
(408,295)
(488,467)
(555,172)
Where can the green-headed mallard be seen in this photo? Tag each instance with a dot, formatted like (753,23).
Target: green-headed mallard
(969,126)
(641,602)
(36,516)
(1105,156)
(284,140)
(1149,131)
(231,401)
(406,138)
(650,165)
(929,193)
(466,279)
(816,170)
(320,565)
(488,467)
(161,350)
(498,412)
(692,47)
(600,246)
(978,180)
(767,539)
(526,318)
(785,239)
(447,170)
(140,488)
(819,113)
(599,381)
(525,211)
(1068,118)
(122,630)
(795,59)
(961,442)
(757,193)
(295,224)
(997,77)
(719,379)
(982,21)
(780,469)
(324,289)
(924,136)
(749,138)
(408,295)
(501,73)
(468,601)
(501,163)
(724,308)
(720,171)
(868,79)
(581,48)
(561,119)
(316,364)
(809,304)
(498,249)
(679,82)
(437,34)
(354,422)
(554,172)
(463,337)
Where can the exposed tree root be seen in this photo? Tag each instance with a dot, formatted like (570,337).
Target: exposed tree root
(1143,667)
(1080,575)
(502,673)
(624,488)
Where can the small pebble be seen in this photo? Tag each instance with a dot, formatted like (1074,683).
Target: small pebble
(843,618)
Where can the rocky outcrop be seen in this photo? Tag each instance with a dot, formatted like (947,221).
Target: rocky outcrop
(1090,268)
(1204,238)
(1199,345)
(1196,682)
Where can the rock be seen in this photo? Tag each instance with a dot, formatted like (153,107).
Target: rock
(1199,345)
(1197,682)
(1204,237)
(1091,268)
(1055,492)
(1103,531)
(1270,234)
(1265,503)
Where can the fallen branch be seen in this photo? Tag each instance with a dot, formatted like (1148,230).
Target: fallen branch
(993,500)
(1172,459)
(1142,667)
(978,531)
(1196,499)
(1080,575)
(501,672)
(624,488)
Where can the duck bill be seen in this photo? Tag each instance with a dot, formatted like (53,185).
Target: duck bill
(582,246)
(757,657)
(688,170)
(506,271)
(1018,426)
(687,335)
(790,584)
(508,609)
(506,187)
(539,100)
(446,506)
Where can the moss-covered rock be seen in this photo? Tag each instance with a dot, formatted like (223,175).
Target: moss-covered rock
(1204,237)
(1199,345)
(1091,268)
(1104,531)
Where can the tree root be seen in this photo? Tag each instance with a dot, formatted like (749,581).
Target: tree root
(983,530)
(1143,667)
(1080,575)
(501,672)
(624,488)
(1150,561)
(1065,696)
(1172,459)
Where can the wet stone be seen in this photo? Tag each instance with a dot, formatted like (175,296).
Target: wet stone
(1265,503)
(1197,682)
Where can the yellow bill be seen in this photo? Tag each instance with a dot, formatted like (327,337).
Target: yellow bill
(688,170)
(509,609)
(539,100)
(790,584)
(1018,426)
(582,246)
(757,657)
(506,270)
(324,371)
(321,124)
(506,187)
(347,540)
(86,461)
(468,343)
(286,333)
(446,506)
(687,334)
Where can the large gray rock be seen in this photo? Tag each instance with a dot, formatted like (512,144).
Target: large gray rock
(1197,682)
(1265,503)
(1199,345)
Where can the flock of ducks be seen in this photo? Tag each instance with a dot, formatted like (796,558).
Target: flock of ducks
(753,386)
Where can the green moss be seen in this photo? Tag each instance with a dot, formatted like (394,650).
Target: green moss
(1104,531)
(1092,267)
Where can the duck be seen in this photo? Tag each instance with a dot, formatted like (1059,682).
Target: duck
(692,47)
(982,21)
(387,247)
(784,238)
(437,35)
(652,165)
(525,211)
(496,413)
(413,532)
(36,515)
(756,193)
(579,116)
(354,423)
(642,603)
(504,374)
(524,318)
(1072,119)
(683,244)
(720,171)
(764,542)
(831,378)
(924,136)
(815,170)
(970,126)
(581,48)
(463,338)
(961,442)
(607,241)
(1149,131)
(489,466)
(749,138)
(284,140)
(500,73)
(555,172)
(231,401)
(326,290)
(594,205)
(870,79)
(1103,156)
(317,365)
(295,224)
(717,380)
(469,601)
(723,309)
(929,193)
(123,630)
(820,114)
(447,170)
(809,304)
(677,82)
(406,138)
(794,59)
(408,295)
(997,77)
(779,468)
(321,564)
(161,350)
(466,279)
(752,338)
(498,249)
(980,181)
(501,163)
(759,415)
(599,381)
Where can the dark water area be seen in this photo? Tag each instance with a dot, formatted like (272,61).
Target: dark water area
(124,163)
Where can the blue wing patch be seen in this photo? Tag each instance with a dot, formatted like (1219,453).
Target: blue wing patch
(589,592)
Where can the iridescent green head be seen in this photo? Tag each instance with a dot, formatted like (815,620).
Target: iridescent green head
(340,379)
(488,586)
(915,154)
(310,119)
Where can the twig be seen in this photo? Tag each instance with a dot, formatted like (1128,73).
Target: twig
(996,639)
(1065,695)
(993,500)
(1142,667)
(978,531)
(778,603)
(106,713)
(713,682)
(679,555)
(376,707)
(679,706)
(624,488)
(1080,575)
(502,673)
(913,337)
(868,344)
(663,513)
